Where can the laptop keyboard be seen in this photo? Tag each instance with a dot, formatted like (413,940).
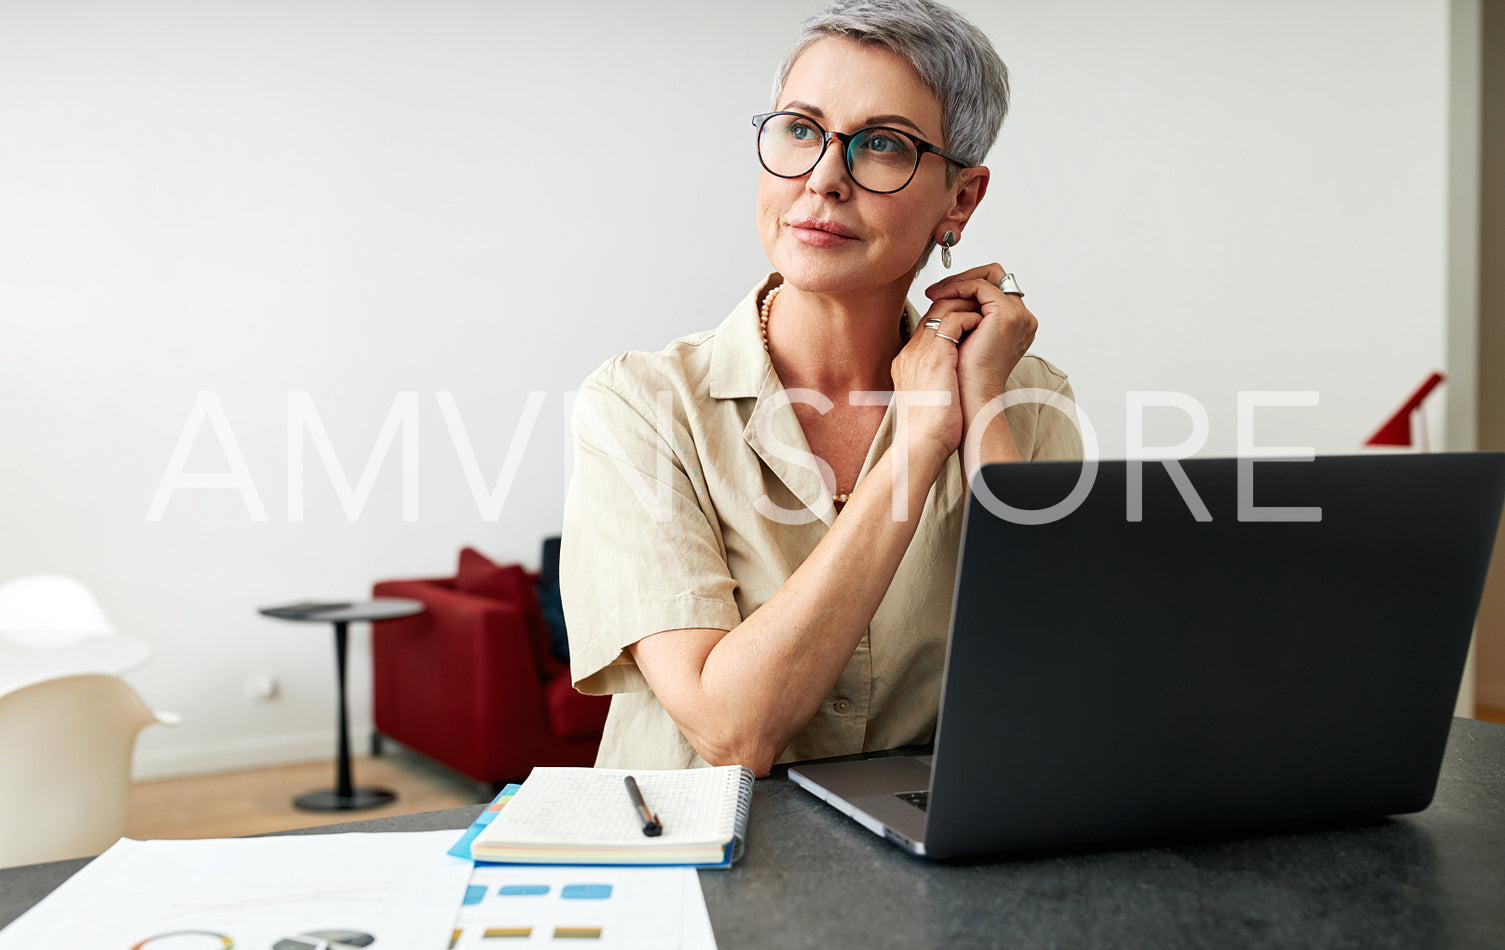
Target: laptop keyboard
(918,799)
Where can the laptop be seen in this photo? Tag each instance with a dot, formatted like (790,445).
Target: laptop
(1111,680)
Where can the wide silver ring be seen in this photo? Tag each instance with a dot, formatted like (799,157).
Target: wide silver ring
(951,338)
(931,323)
(1010,286)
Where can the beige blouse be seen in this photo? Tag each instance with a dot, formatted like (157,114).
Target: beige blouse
(695,497)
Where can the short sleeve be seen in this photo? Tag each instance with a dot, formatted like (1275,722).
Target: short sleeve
(1058,434)
(640,553)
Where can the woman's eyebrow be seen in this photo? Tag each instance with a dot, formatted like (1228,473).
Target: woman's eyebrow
(893,120)
(814,112)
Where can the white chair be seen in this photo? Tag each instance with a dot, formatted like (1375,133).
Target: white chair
(65,765)
(49,609)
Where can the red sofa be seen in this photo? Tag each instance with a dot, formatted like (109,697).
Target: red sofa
(473,682)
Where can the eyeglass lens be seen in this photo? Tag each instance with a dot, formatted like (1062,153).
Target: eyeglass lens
(878,159)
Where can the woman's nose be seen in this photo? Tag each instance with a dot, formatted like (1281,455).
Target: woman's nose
(830,176)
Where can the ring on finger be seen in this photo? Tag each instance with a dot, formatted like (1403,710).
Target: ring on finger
(1009,285)
(951,338)
(931,323)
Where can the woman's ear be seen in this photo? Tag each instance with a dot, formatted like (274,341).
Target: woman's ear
(971,185)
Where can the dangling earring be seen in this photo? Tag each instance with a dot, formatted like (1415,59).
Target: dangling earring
(947,239)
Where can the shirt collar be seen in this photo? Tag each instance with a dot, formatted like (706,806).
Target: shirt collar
(740,367)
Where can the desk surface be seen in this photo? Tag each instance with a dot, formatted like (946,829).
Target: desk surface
(813,878)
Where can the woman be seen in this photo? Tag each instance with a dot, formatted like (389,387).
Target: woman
(761,547)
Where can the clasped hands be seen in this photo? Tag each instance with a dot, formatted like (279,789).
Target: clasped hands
(995,330)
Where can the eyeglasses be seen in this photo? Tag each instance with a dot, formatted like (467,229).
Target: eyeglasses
(879,159)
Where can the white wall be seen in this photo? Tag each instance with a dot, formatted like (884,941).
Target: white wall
(359,200)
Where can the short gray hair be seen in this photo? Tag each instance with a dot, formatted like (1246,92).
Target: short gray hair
(951,56)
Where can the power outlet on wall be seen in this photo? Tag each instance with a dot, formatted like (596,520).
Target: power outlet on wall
(262,687)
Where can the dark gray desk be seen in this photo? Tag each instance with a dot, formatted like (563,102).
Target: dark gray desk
(812,878)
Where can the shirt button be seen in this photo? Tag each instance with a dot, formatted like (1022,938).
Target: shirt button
(841,705)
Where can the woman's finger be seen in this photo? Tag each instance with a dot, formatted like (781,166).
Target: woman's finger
(950,305)
(951,321)
(992,273)
(981,289)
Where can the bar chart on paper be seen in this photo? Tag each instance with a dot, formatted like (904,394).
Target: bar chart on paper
(596,907)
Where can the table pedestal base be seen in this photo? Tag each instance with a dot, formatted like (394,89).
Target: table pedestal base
(333,800)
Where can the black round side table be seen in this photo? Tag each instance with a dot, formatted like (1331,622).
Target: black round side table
(345,796)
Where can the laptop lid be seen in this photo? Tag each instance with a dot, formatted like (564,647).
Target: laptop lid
(1270,643)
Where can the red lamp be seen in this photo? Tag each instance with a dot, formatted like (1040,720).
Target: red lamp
(1397,430)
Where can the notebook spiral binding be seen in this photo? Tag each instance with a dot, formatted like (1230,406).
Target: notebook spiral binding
(745,780)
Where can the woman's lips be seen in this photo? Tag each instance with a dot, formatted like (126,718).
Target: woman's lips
(821,233)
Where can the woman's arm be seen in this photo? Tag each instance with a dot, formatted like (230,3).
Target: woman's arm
(740,696)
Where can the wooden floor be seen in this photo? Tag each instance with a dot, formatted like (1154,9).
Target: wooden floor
(230,804)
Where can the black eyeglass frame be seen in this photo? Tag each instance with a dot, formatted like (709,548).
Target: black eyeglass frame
(921,148)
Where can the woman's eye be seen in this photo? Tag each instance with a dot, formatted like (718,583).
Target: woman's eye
(880,142)
(801,131)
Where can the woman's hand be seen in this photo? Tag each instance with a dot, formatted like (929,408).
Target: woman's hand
(927,390)
(1004,331)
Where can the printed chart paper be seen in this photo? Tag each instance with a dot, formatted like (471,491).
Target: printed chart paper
(587,908)
(388,891)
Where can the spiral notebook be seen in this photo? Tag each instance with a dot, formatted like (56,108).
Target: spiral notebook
(584,816)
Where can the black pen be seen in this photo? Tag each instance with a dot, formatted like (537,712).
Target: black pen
(651,827)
